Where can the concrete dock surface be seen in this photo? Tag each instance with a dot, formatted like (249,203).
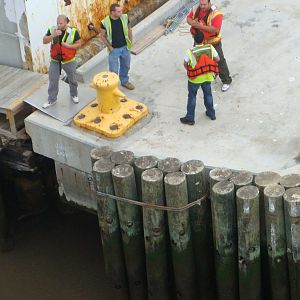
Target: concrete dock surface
(257,126)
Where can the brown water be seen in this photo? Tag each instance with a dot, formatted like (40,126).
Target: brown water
(55,257)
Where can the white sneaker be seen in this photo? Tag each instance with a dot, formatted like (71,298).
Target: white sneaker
(48,104)
(75,99)
(225,87)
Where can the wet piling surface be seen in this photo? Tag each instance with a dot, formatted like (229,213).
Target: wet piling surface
(55,257)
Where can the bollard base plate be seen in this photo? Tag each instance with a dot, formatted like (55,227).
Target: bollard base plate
(114,124)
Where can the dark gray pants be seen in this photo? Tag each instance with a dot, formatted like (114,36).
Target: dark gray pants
(54,74)
(224,71)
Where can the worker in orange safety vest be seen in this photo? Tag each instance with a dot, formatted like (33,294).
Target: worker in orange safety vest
(207,18)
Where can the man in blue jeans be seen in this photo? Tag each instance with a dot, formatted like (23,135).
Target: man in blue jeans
(116,34)
(201,62)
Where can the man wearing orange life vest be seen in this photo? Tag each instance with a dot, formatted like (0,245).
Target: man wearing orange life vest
(201,62)
(208,19)
(64,41)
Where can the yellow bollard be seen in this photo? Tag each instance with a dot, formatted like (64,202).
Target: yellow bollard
(108,94)
(112,113)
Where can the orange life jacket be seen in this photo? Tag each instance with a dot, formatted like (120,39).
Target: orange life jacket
(60,53)
(201,61)
(209,37)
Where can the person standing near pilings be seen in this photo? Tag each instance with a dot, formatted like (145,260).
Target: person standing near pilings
(276,241)
(247,199)
(292,218)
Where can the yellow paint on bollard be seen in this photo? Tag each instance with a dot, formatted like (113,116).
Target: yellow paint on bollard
(112,113)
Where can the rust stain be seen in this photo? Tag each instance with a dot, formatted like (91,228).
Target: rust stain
(81,13)
(28,64)
(40,63)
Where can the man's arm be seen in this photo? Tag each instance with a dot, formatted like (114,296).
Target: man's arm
(48,38)
(196,24)
(75,46)
(217,58)
(130,33)
(103,38)
(185,64)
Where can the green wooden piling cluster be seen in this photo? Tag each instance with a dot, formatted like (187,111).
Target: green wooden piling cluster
(242,241)
(276,241)
(201,225)
(292,219)
(247,198)
(155,235)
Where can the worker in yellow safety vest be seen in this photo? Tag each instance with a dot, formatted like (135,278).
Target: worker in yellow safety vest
(65,41)
(208,19)
(116,34)
(201,63)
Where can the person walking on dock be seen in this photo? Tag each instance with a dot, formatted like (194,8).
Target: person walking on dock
(116,34)
(201,62)
(64,40)
(208,19)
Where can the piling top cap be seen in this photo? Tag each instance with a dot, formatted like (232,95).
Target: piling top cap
(292,195)
(290,181)
(265,178)
(220,174)
(175,178)
(105,79)
(223,187)
(152,175)
(122,171)
(242,178)
(104,151)
(248,192)
(274,190)
(169,165)
(103,165)
(122,157)
(146,162)
(192,167)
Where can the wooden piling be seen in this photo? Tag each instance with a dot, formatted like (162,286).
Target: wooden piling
(180,235)
(261,180)
(292,218)
(225,240)
(110,229)
(290,181)
(276,241)
(169,165)
(218,175)
(122,157)
(140,165)
(132,231)
(201,226)
(155,234)
(241,179)
(247,199)
(97,153)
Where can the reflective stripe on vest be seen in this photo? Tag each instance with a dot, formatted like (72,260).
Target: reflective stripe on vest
(68,38)
(195,68)
(106,22)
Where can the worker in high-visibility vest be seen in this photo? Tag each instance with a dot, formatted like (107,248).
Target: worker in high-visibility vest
(116,34)
(201,63)
(208,19)
(65,40)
